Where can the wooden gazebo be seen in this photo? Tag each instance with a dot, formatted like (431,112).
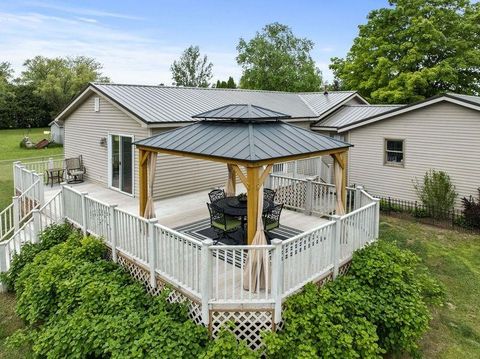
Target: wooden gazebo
(240,135)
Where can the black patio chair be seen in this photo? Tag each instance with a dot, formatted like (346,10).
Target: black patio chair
(271,220)
(216,194)
(222,223)
(269,194)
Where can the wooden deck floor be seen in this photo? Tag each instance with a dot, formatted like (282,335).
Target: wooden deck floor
(178,211)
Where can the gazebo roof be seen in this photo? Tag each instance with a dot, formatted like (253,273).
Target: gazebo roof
(245,141)
(242,112)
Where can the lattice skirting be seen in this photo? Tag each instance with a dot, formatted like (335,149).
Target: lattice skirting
(247,324)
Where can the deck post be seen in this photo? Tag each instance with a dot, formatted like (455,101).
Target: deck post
(63,203)
(277,278)
(41,192)
(152,251)
(309,197)
(3,264)
(358,197)
(16,177)
(37,224)
(16,213)
(113,231)
(205,279)
(84,212)
(336,244)
(377,217)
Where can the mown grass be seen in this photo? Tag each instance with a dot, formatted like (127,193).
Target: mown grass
(9,323)
(454,259)
(11,151)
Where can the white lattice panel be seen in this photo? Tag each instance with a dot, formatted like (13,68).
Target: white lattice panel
(248,325)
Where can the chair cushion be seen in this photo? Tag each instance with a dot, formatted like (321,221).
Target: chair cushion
(76,172)
(271,224)
(231,223)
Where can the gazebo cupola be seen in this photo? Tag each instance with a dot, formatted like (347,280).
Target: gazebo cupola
(240,135)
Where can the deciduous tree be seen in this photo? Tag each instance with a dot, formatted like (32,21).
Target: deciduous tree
(192,69)
(413,50)
(275,59)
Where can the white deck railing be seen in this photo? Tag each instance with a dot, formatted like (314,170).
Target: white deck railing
(41,167)
(218,274)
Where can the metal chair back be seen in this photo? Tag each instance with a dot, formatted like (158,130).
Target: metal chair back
(216,194)
(269,194)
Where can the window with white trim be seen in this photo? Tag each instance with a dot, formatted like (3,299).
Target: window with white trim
(96,101)
(394,152)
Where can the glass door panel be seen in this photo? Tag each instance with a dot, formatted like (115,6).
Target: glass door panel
(126,164)
(115,155)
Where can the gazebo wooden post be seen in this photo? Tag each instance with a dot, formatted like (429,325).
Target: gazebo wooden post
(143,179)
(252,202)
(341,158)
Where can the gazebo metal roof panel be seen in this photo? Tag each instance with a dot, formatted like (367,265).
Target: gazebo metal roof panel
(242,111)
(242,141)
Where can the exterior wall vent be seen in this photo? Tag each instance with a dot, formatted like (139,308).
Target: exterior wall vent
(97,104)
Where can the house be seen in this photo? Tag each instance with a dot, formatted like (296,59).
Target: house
(57,132)
(395,145)
(105,119)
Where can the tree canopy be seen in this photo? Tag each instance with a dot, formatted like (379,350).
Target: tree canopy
(275,59)
(58,80)
(229,84)
(413,50)
(192,69)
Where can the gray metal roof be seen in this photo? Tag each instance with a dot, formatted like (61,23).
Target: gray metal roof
(242,111)
(468,98)
(348,114)
(160,104)
(246,141)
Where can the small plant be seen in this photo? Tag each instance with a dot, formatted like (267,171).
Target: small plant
(471,211)
(437,193)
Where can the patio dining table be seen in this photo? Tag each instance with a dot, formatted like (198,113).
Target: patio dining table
(235,208)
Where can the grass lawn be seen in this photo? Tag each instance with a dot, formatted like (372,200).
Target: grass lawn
(454,259)
(10,151)
(9,323)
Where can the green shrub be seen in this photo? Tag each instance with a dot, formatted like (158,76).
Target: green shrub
(227,346)
(395,281)
(437,193)
(379,307)
(79,305)
(50,237)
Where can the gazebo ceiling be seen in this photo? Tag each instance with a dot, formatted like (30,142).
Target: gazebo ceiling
(242,112)
(256,141)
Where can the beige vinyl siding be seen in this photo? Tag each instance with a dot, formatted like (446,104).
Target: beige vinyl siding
(442,136)
(179,175)
(85,128)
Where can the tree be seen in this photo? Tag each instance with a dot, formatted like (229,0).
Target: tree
(413,50)
(277,60)
(58,80)
(230,84)
(6,73)
(192,69)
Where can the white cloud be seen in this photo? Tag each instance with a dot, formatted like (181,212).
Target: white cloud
(86,19)
(82,11)
(128,57)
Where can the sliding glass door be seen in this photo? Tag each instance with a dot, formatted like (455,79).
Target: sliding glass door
(121,163)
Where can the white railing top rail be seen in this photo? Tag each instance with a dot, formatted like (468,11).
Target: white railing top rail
(30,188)
(98,201)
(242,247)
(178,234)
(369,196)
(358,210)
(306,233)
(287,177)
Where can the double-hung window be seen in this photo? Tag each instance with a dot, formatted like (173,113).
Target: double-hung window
(395,152)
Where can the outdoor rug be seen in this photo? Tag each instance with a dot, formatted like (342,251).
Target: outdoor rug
(201,230)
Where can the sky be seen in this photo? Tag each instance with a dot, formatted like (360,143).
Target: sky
(137,41)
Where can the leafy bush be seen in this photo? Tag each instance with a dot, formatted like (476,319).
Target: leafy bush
(226,346)
(471,211)
(437,193)
(50,237)
(79,305)
(379,307)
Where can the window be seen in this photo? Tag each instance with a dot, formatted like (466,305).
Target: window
(394,152)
